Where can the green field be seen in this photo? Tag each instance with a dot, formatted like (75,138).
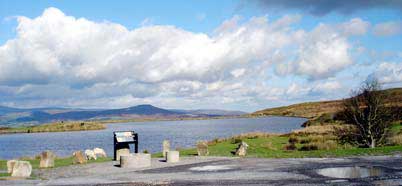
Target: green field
(272,147)
(59,162)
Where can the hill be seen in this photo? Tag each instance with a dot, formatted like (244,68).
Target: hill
(16,116)
(314,110)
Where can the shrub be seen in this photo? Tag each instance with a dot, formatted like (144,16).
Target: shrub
(290,146)
(325,129)
(309,146)
(235,140)
(396,140)
(145,151)
(213,142)
(293,139)
(323,145)
(305,140)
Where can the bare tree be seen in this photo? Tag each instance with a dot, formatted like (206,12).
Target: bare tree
(367,111)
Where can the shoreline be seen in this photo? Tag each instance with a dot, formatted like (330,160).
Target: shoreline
(25,129)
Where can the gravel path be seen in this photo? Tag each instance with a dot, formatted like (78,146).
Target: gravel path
(221,171)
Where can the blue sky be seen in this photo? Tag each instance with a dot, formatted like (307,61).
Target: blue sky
(240,55)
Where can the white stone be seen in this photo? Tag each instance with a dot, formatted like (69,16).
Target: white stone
(100,152)
(122,152)
(79,158)
(47,159)
(202,148)
(242,149)
(172,156)
(165,147)
(10,165)
(22,169)
(137,160)
(90,154)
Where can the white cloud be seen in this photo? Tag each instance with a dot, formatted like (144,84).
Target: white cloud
(389,72)
(327,87)
(62,60)
(355,26)
(388,28)
(322,53)
(238,72)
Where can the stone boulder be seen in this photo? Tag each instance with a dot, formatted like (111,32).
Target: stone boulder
(47,159)
(79,158)
(10,166)
(22,169)
(122,152)
(242,149)
(172,156)
(165,147)
(202,148)
(137,160)
(100,152)
(90,154)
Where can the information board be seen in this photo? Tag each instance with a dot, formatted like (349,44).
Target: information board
(124,137)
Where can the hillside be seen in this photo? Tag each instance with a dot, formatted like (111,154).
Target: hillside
(313,110)
(15,116)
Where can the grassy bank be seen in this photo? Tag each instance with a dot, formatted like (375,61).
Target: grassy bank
(313,141)
(59,162)
(323,112)
(55,127)
(273,147)
(94,124)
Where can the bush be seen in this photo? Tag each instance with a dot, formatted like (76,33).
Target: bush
(396,140)
(145,151)
(305,140)
(235,140)
(309,147)
(290,146)
(323,145)
(293,139)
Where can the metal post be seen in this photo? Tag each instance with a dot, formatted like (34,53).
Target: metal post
(136,143)
(114,146)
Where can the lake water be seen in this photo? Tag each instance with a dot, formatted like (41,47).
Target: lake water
(182,134)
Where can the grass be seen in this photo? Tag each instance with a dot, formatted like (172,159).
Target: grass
(273,147)
(325,112)
(4,174)
(313,141)
(396,127)
(59,162)
(56,127)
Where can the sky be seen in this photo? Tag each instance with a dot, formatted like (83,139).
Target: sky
(202,54)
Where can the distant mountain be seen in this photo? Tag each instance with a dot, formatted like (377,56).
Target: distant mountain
(140,110)
(6,110)
(12,116)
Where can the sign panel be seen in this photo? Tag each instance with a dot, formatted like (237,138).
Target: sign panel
(124,136)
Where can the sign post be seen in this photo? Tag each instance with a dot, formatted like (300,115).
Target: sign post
(122,139)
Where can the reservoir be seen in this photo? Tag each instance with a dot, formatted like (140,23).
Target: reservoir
(182,134)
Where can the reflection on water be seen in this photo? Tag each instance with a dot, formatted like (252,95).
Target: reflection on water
(351,172)
(182,134)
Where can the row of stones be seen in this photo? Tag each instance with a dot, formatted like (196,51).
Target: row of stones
(19,168)
(141,160)
(202,149)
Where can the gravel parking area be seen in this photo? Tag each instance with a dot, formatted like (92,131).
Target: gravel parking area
(227,171)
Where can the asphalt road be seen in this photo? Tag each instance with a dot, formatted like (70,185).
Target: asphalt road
(224,171)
